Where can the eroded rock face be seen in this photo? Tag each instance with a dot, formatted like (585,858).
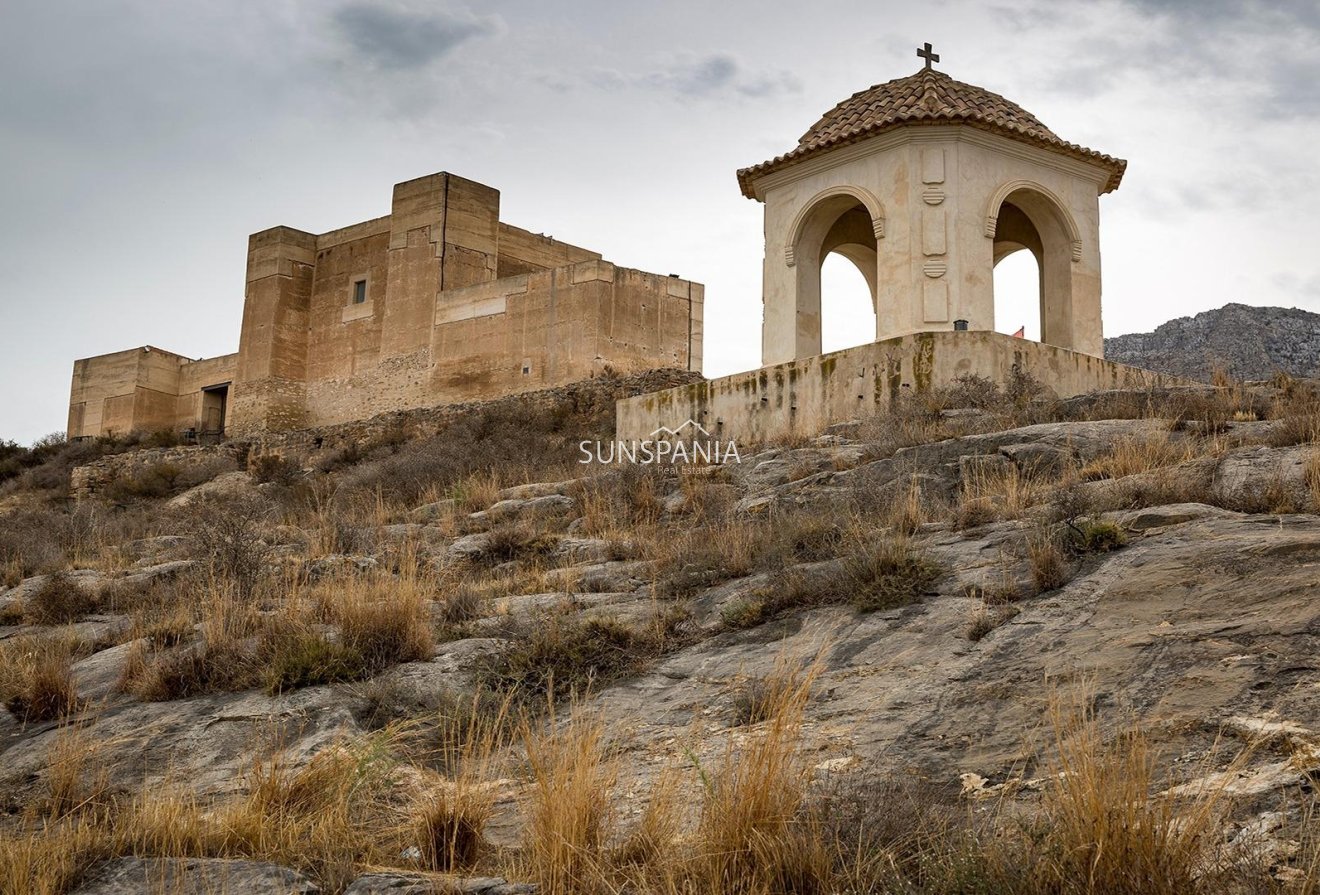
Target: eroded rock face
(206,744)
(195,876)
(1211,615)
(1205,620)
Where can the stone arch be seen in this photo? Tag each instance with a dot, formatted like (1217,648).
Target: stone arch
(1026,216)
(1059,209)
(863,196)
(845,220)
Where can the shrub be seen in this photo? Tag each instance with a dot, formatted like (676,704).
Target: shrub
(225,533)
(1095,536)
(274,469)
(31,542)
(384,622)
(793,590)
(461,604)
(887,574)
(703,557)
(59,601)
(516,541)
(36,678)
(570,810)
(874,575)
(157,480)
(306,658)
(556,655)
(1049,563)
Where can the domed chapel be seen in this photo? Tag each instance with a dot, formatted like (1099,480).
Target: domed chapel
(925,183)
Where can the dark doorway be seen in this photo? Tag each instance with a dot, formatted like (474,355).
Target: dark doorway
(215,402)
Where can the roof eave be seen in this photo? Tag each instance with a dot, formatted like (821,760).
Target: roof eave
(747,177)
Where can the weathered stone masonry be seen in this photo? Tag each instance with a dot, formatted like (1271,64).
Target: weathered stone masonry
(437,302)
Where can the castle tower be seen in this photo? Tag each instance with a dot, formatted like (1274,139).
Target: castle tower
(926,183)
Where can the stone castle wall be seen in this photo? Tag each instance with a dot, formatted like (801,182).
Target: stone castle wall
(804,397)
(458,306)
(306,445)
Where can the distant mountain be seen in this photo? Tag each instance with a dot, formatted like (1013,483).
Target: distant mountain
(1244,341)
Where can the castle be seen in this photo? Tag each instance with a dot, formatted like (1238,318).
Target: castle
(437,302)
(925,183)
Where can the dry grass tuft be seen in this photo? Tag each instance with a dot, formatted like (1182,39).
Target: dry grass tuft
(748,839)
(36,678)
(1050,568)
(1131,456)
(1106,825)
(450,818)
(569,815)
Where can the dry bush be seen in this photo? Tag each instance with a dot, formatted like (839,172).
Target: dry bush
(1209,413)
(1297,421)
(227,535)
(380,623)
(985,618)
(873,575)
(1094,536)
(1311,475)
(627,497)
(461,603)
(31,542)
(60,600)
(911,511)
(76,776)
(792,591)
(554,654)
(476,491)
(517,541)
(702,557)
(514,439)
(999,494)
(1050,568)
(221,659)
(275,469)
(385,620)
(36,679)
(569,814)
(887,574)
(150,482)
(903,835)
(757,699)
(1107,828)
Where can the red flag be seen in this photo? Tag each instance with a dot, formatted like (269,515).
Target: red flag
(1021,333)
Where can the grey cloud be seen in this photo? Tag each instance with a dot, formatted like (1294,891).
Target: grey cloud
(405,37)
(715,74)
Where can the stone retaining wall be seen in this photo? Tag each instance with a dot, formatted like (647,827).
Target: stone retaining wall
(804,397)
(587,396)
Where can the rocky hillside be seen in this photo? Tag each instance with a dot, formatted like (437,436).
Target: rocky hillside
(989,645)
(1247,343)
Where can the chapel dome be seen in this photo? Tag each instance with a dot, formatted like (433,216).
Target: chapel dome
(927,97)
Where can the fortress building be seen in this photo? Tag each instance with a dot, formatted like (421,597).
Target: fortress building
(437,302)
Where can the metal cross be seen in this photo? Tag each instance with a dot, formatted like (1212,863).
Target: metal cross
(928,55)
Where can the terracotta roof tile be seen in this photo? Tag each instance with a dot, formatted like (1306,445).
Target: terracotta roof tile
(927,97)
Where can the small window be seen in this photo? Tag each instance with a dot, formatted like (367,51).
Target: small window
(359,292)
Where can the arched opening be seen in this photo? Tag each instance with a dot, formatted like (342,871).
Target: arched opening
(1017,276)
(1034,244)
(847,305)
(836,232)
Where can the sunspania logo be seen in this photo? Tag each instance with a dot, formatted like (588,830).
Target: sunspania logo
(690,443)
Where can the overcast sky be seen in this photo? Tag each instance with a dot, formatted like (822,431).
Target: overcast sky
(141,142)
